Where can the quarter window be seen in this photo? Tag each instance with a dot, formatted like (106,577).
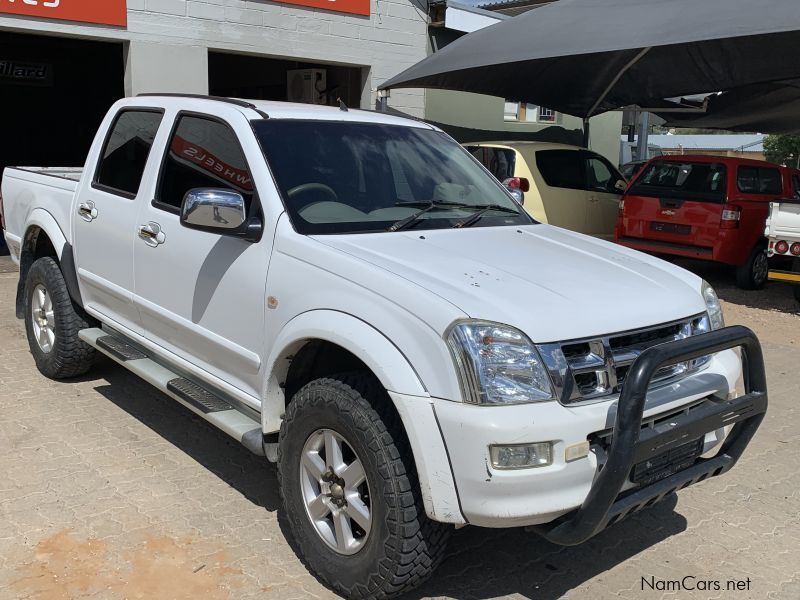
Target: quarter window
(759,180)
(126,150)
(202,153)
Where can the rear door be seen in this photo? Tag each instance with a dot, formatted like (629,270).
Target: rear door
(106,212)
(756,186)
(561,179)
(677,202)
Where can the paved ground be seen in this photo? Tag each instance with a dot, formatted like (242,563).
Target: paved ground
(109,490)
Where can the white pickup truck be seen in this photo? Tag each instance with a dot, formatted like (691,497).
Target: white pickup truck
(783,233)
(353,296)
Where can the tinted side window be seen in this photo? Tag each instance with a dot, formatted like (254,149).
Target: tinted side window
(796,186)
(125,153)
(600,175)
(202,153)
(747,180)
(770,181)
(759,180)
(562,168)
(499,161)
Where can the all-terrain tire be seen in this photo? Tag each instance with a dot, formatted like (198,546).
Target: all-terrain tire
(752,275)
(68,356)
(403,547)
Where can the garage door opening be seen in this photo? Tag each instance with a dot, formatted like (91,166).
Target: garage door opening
(259,78)
(55,93)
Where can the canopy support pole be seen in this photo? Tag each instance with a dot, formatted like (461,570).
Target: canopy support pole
(617,77)
(643,146)
(586,132)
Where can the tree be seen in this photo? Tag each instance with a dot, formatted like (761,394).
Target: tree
(783,149)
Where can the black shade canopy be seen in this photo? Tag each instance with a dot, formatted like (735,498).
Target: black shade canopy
(763,108)
(584,57)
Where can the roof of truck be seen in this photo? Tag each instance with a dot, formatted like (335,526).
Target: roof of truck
(281,110)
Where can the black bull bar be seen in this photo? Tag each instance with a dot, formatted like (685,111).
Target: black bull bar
(604,505)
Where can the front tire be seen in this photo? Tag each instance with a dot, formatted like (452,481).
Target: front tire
(346,468)
(52,322)
(753,274)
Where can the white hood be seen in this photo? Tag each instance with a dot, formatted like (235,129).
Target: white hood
(551,283)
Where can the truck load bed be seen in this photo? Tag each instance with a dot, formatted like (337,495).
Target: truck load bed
(47,190)
(68,173)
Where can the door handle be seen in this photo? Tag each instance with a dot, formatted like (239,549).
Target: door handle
(87,211)
(151,234)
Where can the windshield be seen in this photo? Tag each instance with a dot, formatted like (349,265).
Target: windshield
(345,177)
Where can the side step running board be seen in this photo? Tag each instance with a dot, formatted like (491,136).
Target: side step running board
(204,403)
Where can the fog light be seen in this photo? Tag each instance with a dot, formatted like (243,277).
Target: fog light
(522,456)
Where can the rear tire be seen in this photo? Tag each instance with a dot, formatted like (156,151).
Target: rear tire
(52,322)
(752,275)
(399,547)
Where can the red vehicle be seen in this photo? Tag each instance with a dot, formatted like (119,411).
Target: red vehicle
(707,207)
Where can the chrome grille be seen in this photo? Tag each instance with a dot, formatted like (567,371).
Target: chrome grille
(592,369)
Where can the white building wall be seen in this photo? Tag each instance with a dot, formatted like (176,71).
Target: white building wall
(169,40)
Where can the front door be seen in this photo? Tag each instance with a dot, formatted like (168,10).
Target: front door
(601,178)
(106,213)
(201,295)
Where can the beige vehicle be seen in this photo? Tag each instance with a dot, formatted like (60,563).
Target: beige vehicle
(563,185)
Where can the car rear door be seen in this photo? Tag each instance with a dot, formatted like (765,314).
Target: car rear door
(756,186)
(560,176)
(679,202)
(108,203)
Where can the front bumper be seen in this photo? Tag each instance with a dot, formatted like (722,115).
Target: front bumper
(552,495)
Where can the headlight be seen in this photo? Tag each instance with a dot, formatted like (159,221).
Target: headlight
(713,307)
(497,364)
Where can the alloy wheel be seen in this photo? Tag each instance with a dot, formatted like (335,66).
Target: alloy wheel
(43,318)
(760,268)
(335,491)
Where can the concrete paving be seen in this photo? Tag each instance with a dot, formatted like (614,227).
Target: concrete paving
(108,489)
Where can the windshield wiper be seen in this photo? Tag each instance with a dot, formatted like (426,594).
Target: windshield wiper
(413,204)
(483,208)
(403,223)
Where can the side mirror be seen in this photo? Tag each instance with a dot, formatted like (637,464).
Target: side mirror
(620,185)
(219,211)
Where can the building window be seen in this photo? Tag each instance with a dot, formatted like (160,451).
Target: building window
(546,115)
(523,112)
(511,111)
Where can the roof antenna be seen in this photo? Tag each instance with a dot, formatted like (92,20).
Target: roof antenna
(342,105)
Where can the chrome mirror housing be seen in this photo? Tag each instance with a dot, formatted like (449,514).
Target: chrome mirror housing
(208,208)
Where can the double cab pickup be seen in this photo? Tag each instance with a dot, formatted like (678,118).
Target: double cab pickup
(353,296)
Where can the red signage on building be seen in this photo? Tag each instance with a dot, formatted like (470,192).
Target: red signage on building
(104,12)
(355,7)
